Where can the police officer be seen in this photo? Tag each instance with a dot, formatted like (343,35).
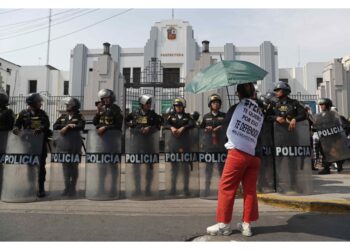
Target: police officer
(108,115)
(325,105)
(212,125)
(144,121)
(180,123)
(72,120)
(36,119)
(287,110)
(7,116)
(7,119)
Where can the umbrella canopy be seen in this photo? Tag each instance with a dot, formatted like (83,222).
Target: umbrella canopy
(225,73)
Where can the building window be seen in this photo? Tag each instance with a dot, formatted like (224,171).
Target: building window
(284,80)
(91,69)
(126,74)
(33,86)
(66,88)
(171,75)
(8,87)
(319,80)
(9,70)
(136,75)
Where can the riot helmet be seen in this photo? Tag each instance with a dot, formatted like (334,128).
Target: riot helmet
(4,99)
(195,115)
(145,98)
(271,97)
(106,93)
(179,101)
(246,90)
(212,98)
(72,102)
(335,109)
(284,86)
(169,110)
(325,101)
(34,98)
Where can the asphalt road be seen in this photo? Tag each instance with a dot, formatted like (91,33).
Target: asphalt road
(167,220)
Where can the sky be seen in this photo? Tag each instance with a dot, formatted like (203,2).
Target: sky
(301,35)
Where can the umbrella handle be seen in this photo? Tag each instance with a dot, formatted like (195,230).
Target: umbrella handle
(228,96)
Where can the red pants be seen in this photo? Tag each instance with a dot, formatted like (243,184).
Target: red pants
(239,167)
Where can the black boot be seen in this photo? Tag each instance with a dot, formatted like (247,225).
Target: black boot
(41,193)
(325,171)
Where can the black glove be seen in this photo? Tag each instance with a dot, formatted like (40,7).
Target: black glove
(16,131)
(37,131)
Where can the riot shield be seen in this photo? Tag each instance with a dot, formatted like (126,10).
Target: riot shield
(335,145)
(266,180)
(293,154)
(20,168)
(211,158)
(3,142)
(142,164)
(181,164)
(103,165)
(65,175)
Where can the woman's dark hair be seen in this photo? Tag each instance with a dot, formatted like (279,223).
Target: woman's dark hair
(246,90)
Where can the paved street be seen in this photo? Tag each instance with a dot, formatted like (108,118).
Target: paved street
(165,220)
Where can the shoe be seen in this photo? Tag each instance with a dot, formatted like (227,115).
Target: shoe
(340,168)
(219,229)
(245,229)
(65,192)
(41,194)
(72,193)
(325,171)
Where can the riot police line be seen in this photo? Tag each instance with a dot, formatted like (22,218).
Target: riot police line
(194,155)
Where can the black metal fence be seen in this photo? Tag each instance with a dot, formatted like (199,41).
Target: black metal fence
(52,105)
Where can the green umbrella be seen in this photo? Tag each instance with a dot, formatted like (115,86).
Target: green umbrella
(223,74)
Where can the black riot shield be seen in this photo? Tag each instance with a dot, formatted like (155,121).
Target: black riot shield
(335,145)
(181,164)
(3,142)
(103,165)
(66,175)
(293,154)
(211,158)
(266,180)
(20,167)
(142,164)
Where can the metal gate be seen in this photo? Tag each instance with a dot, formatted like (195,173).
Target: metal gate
(162,84)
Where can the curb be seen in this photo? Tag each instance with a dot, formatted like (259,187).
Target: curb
(307,205)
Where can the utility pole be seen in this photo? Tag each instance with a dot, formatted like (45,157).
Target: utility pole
(172,14)
(48,40)
(48,56)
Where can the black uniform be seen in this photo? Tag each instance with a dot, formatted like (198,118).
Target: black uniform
(137,120)
(288,109)
(111,117)
(213,142)
(7,119)
(70,170)
(182,145)
(39,122)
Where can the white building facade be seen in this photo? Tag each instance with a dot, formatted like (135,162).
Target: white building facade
(22,80)
(9,74)
(172,43)
(304,80)
(335,84)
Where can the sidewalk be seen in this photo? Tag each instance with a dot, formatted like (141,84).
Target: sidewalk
(331,194)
